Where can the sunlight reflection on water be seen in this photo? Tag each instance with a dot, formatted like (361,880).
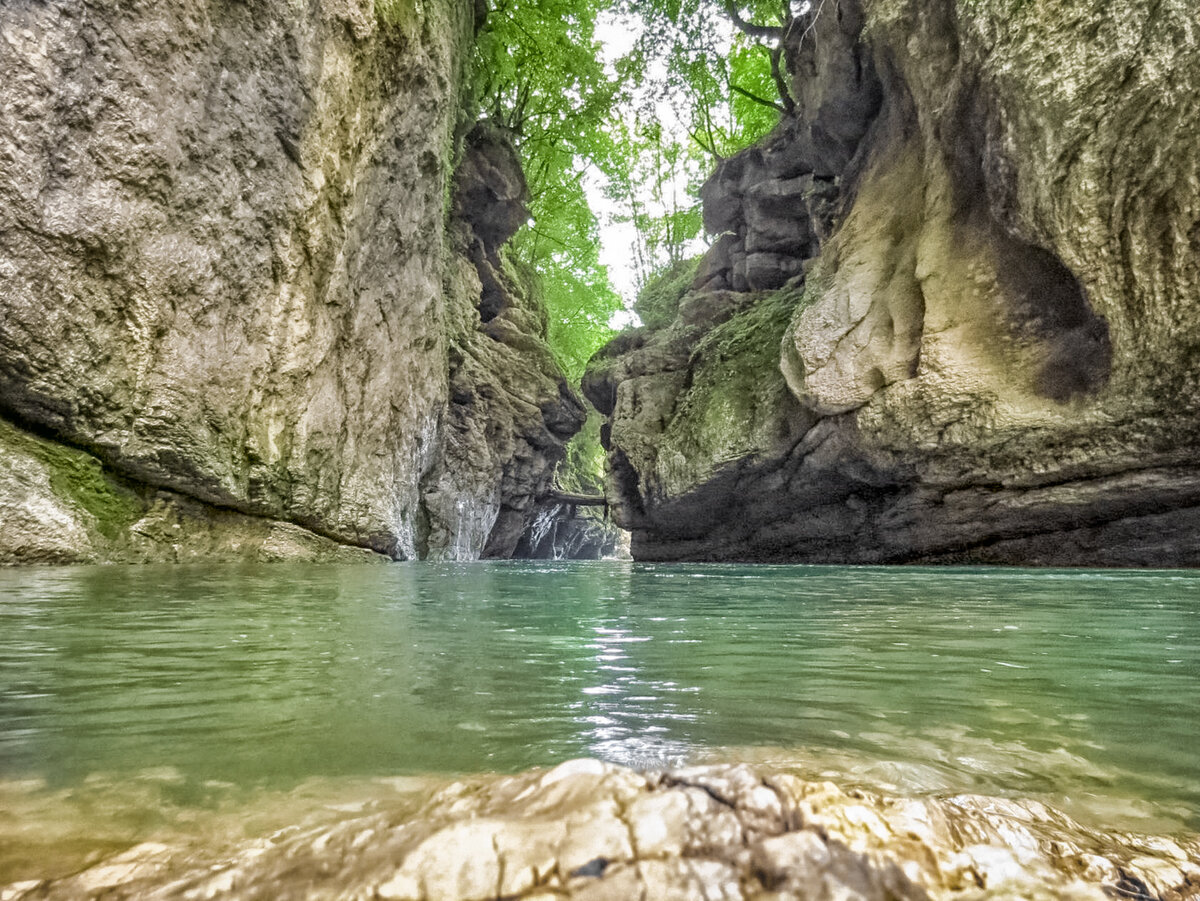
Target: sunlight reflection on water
(1083,686)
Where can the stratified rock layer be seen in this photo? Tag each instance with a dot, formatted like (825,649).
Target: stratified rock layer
(588,830)
(951,314)
(62,505)
(226,270)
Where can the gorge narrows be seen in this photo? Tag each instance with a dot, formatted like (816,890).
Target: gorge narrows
(348,550)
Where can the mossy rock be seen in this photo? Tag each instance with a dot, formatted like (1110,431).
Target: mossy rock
(80,480)
(658,302)
(737,403)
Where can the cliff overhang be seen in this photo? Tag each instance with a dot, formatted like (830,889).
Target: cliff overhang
(949,312)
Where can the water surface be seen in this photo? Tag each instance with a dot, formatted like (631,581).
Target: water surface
(1075,686)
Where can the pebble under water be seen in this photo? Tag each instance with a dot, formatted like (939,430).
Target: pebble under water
(136,698)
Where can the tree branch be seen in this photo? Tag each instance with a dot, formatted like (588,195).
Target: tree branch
(705,147)
(752,96)
(758,32)
(789,105)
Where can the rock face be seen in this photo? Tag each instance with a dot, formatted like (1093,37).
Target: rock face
(588,830)
(226,274)
(511,411)
(565,532)
(62,505)
(949,315)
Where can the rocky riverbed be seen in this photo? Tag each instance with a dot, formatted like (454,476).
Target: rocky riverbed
(591,830)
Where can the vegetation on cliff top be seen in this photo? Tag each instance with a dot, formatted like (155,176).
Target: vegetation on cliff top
(640,128)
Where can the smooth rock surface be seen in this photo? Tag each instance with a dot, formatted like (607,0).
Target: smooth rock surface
(590,830)
(984,347)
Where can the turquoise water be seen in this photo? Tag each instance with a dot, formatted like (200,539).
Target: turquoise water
(1080,687)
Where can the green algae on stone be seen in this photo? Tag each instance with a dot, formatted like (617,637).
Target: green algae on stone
(80,480)
(731,409)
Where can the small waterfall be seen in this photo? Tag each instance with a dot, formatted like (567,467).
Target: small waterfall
(546,519)
(473,521)
(461,541)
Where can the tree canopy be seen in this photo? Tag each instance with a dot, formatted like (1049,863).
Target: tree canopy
(699,82)
(540,75)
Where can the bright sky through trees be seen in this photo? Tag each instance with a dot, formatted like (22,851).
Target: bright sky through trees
(619,109)
(618,237)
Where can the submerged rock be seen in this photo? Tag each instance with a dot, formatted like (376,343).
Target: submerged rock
(949,317)
(590,830)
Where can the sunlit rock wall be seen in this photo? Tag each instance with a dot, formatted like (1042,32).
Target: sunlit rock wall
(225,267)
(950,314)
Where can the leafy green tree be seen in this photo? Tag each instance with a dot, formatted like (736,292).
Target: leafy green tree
(654,177)
(541,76)
(703,80)
(714,63)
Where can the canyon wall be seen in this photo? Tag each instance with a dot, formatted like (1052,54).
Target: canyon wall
(241,311)
(950,311)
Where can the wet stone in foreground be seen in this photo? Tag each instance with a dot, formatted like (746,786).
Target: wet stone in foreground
(589,830)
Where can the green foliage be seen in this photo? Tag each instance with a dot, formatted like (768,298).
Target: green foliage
(691,75)
(654,177)
(539,75)
(576,122)
(658,301)
(691,56)
(582,471)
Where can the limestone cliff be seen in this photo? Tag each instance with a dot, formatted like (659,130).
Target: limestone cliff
(950,314)
(233,290)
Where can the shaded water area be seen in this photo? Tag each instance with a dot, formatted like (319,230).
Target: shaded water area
(137,699)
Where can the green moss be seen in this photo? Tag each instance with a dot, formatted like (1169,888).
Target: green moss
(525,286)
(403,14)
(80,479)
(734,405)
(658,302)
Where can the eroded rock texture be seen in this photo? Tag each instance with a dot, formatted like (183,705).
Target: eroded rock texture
(511,411)
(588,830)
(226,273)
(951,311)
